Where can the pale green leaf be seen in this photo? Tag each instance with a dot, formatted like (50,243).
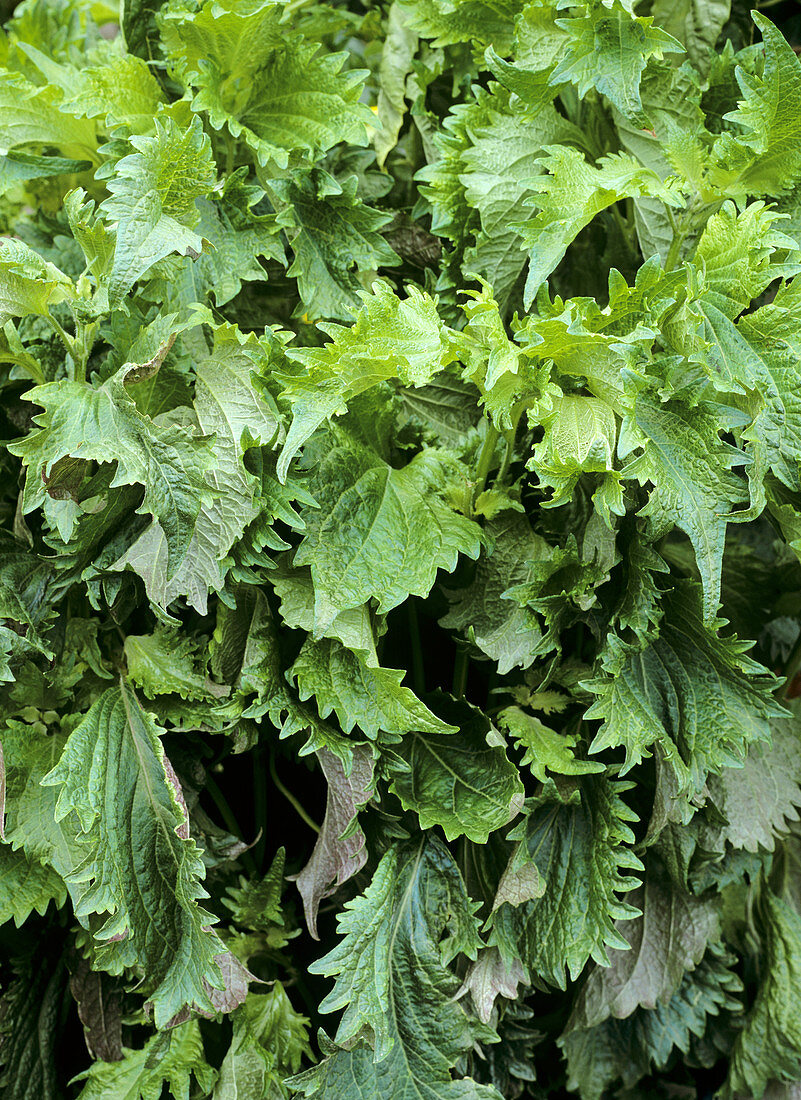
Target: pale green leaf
(171,1057)
(32,115)
(762,157)
(269,1040)
(336,241)
(123,90)
(104,425)
(28,284)
(400,46)
(164,662)
(353,628)
(152,200)
(236,412)
(608,49)
(569,197)
(463,21)
(544,750)
(391,337)
(380,532)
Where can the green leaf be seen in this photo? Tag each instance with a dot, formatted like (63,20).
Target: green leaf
(508,378)
(123,90)
(28,284)
(139,869)
(371,698)
(164,662)
(765,347)
(463,21)
(579,846)
(237,239)
(31,115)
(268,1043)
(580,437)
(152,200)
(761,156)
(608,49)
(691,471)
(380,532)
(627,1049)
(544,749)
(400,46)
(335,239)
(657,950)
(245,653)
(171,1057)
(391,338)
(540,43)
(736,249)
(759,800)
(395,986)
(463,783)
(507,633)
(26,610)
(26,886)
(353,628)
(265,84)
(237,38)
(480,185)
(569,197)
(234,410)
(767,1047)
(694,693)
(30,751)
(695,23)
(17,166)
(103,424)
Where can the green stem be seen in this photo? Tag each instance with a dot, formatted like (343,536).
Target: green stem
(510,436)
(791,668)
(67,341)
(680,232)
(226,813)
(290,797)
(460,670)
(418,669)
(674,251)
(485,457)
(625,232)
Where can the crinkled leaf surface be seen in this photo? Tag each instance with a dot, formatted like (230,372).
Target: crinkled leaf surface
(138,870)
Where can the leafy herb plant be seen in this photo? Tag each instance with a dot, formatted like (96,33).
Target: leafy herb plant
(400,524)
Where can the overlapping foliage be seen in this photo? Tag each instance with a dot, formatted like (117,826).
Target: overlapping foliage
(400,594)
